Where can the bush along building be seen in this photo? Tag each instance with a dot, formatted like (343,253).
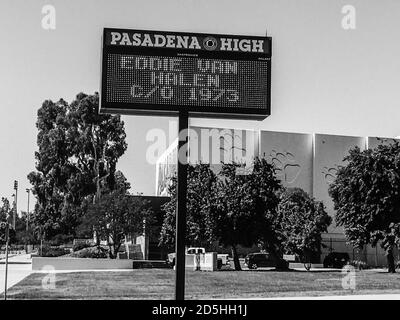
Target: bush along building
(306,161)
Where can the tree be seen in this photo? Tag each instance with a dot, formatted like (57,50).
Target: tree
(200,201)
(366,196)
(231,208)
(23,234)
(5,213)
(300,222)
(117,214)
(246,207)
(77,156)
(97,142)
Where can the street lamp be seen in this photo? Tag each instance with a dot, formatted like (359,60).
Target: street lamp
(12,222)
(27,212)
(15,201)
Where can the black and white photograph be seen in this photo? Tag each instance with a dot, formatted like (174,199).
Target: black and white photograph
(197,156)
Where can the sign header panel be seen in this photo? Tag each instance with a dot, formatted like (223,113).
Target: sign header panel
(160,73)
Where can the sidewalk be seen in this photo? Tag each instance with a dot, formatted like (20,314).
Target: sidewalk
(3,256)
(17,259)
(18,269)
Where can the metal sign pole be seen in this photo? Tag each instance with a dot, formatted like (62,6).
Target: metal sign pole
(6,273)
(183,124)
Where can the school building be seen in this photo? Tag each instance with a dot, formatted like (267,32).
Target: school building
(307,161)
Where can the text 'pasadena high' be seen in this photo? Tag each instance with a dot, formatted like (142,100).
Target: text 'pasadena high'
(187,42)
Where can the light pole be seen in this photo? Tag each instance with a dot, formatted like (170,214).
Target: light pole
(16,199)
(27,212)
(14,210)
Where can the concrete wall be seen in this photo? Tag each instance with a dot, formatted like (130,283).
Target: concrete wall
(329,151)
(309,162)
(208,261)
(41,263)
(292,155)
(143,241)
(373,142)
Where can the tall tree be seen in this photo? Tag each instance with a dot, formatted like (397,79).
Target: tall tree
(366,195)
(77,156)
(301,221)
(246,207)
(97,141)
(200,202)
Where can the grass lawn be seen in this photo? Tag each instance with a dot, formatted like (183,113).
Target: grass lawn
(159,284)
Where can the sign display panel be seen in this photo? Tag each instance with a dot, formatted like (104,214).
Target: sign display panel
(160,73)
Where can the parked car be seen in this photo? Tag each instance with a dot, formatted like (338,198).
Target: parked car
(257,260)
(336,260)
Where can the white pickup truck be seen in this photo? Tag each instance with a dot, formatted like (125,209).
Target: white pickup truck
(222,259)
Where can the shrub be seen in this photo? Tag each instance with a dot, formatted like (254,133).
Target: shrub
(80,246)
(60,239)
(17,247)
(92,252)
(48,251)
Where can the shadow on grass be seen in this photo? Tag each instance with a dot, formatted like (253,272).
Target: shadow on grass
(283,271)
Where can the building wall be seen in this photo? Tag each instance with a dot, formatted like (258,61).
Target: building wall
(208,145)
(166,168)
(221,145)
(373,142)
(292,155)
(329,151)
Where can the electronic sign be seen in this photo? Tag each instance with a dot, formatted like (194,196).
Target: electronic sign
(209,75)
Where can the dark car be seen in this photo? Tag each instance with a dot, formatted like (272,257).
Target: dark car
(266,260)
(336,260)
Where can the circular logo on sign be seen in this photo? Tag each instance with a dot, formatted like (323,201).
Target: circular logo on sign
(210,43)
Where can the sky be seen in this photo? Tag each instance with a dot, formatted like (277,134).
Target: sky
(325,79)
